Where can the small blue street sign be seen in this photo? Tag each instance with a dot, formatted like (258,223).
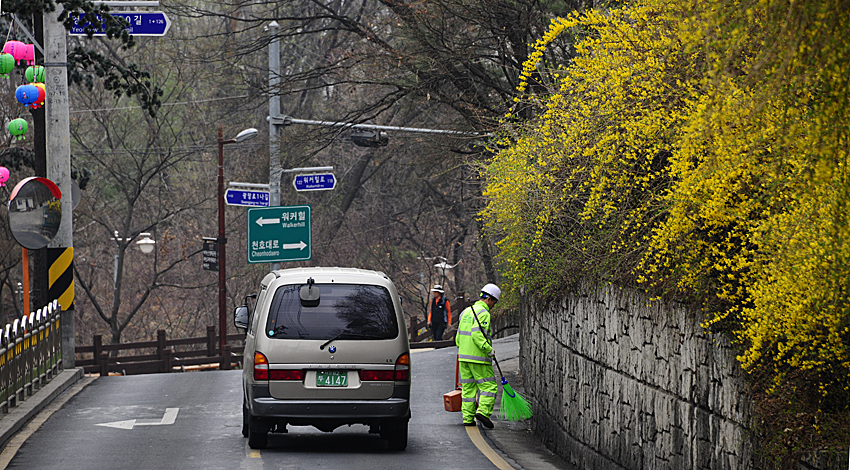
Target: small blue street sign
(238,197)
(314,182)
(140,23)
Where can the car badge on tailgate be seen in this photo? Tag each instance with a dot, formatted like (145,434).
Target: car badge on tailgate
(332,349)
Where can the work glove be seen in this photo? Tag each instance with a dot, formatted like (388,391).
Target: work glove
(492,354)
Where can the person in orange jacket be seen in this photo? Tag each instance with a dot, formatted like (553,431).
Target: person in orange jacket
(440,313)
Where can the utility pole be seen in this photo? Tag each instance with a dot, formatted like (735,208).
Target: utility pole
(58,146)
(275,170)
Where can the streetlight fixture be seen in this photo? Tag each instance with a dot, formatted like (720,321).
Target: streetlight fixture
(222,240)
(443,268)
(146,243)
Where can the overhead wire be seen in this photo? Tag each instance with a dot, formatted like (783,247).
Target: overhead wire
(77,111)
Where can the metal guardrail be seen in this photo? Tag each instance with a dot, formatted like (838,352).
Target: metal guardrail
(30,354)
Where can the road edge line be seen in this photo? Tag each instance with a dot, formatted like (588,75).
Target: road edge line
(477,439)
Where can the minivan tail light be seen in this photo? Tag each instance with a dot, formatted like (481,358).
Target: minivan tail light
(401,372)
(261,366)
(373,375)
(402,367)
(288,374)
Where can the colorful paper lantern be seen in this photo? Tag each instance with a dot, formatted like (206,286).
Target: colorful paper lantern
(7,64)
(29,54)
(18,127)
(26,94)
(15,48)
(34,73)
(4,175)
(20,51)
(42,95)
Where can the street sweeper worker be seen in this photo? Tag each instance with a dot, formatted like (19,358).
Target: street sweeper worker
(475,359)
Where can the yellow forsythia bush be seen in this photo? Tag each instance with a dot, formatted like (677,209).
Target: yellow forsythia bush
(698,149)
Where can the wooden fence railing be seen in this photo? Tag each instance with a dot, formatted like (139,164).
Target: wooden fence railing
(160,355)
(30,354)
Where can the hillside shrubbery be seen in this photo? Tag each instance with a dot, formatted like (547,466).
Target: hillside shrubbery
(698,151)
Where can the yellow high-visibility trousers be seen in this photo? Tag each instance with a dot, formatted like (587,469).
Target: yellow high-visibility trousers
(477,378)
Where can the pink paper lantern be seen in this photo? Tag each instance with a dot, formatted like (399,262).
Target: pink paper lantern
(20,51)
(29,54)
(16,48)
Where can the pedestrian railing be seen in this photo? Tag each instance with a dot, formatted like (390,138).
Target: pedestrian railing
(30,354)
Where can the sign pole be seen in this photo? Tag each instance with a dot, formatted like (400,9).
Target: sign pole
(25,259)
(222,254)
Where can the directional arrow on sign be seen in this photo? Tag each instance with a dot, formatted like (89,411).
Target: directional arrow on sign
(261,221)
(294,246)
(168,418)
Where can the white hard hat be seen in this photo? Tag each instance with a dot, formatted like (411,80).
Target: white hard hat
(492,290)
(437,288)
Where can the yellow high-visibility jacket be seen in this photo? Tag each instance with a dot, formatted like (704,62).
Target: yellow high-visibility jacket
(472,345)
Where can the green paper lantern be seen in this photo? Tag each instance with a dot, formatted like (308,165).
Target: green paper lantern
(18,127)
(35,73)
(7,64)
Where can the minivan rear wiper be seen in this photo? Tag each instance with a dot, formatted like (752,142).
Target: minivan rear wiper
(345,333)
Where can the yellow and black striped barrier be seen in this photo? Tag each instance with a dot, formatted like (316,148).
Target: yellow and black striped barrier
(60,276)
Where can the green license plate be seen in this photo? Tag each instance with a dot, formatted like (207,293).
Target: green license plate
(331,378)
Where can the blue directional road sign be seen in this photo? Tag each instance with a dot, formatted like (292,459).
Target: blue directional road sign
(279,233)
(140,23)
(314,182)
(238,197)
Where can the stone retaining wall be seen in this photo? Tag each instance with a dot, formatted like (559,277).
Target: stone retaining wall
(620,384)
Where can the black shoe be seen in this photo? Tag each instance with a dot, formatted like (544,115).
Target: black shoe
(484,420)
(469,424)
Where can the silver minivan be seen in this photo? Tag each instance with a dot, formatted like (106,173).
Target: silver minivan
(325,347)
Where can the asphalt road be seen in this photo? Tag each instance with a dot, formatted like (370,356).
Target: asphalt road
(193,420)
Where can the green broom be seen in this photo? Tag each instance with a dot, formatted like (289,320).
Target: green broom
(513,407)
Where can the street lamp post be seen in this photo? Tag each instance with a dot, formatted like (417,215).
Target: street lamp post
(222,240)
(145,244)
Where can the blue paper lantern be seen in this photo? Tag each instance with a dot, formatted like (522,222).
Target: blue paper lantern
(26,94)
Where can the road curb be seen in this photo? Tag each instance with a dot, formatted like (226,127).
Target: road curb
(20,415)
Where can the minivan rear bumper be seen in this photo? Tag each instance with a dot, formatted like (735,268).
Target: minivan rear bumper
(264,406)
(330,409)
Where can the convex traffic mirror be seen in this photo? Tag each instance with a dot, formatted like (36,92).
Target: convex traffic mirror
(35,212)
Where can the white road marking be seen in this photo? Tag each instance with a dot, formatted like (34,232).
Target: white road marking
(169,417)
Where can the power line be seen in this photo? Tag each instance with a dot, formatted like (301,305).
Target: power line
(163,104)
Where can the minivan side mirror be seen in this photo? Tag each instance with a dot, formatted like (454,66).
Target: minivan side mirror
(240,318)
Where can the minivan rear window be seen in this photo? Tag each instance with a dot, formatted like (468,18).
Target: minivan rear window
(345,311)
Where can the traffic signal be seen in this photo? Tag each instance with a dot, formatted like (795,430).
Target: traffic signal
(373,139)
